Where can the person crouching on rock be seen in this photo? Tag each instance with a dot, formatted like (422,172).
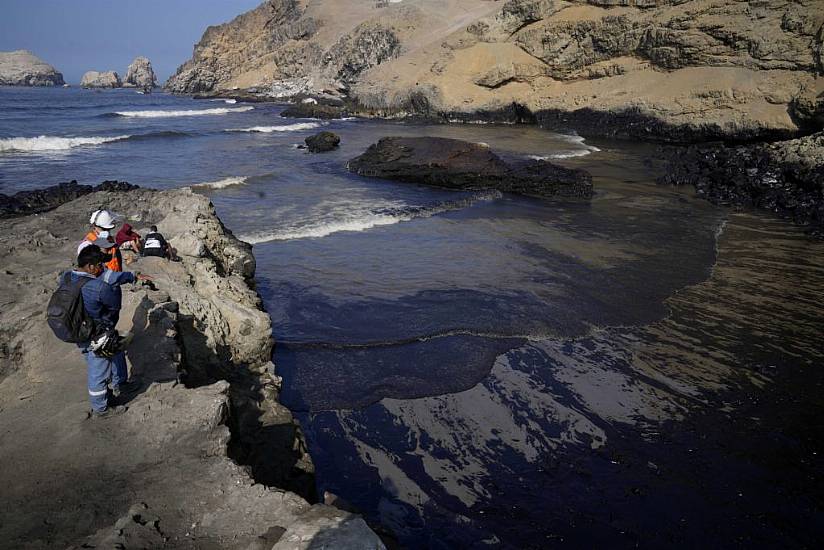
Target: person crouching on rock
(156,245)
(102,222)
(128,239)
(102,300)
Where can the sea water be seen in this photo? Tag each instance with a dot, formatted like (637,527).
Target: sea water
(482,369)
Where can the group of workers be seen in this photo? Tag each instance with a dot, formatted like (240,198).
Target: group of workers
(99,271)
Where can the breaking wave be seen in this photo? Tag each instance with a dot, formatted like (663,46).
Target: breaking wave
(221,184)
(367,220)
(190,112)
(53,143)
(582,150)
(285,128)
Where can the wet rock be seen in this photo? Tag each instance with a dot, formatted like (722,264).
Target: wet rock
(105,79)
(785,177)
(42,200)
(313,110)
(322,142)
(141,74)
(23,68)
(457,164)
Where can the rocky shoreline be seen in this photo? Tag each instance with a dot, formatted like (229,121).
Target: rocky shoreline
(206,456)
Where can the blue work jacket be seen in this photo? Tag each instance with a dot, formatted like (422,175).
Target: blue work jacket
(102,296)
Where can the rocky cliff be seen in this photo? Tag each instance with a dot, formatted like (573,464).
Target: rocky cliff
(140,74)
(684,70)
(105,79)
(23,68)
(196,460)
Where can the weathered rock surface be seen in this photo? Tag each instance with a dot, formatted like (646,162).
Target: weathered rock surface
(166,473)
(313,110)
(140,74)
(785,177)
(105,79)
(322,142)
(686,70)
(457,164)
(42,200)
(23,68)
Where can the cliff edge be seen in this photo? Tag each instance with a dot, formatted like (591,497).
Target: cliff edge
(194,461)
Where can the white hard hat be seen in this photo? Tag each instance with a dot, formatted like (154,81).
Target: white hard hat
(102,218)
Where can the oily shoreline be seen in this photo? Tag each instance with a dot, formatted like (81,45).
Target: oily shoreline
(774,170)
(205,445)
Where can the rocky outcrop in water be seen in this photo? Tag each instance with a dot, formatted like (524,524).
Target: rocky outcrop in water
(457,164)
(785,177)
(322,142)
(689,70)
(23,68)
(105,79)
(140,74)
(43,200)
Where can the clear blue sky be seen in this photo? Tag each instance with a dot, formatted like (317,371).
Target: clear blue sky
(76,36)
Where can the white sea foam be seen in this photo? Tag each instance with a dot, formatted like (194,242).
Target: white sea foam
(191,112)
(221,184)
(230,101)
(366,219)
(583,150)
(285,128)
(53,143)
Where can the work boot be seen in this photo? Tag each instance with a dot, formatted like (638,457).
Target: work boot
(108,413)
(126,388)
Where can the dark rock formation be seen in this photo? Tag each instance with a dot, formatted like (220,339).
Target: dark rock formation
(313,110)
(23,68)
(785,177)
(457,164)
(42,200)
(322,142)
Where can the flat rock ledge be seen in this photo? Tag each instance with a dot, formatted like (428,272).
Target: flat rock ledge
(463,165)
(205,455)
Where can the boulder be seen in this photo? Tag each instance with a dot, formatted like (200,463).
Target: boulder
(457,164)
(140,74)
(106,79)
(322,142)
(23,68)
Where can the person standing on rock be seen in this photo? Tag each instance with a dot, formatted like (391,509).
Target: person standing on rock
(102,299)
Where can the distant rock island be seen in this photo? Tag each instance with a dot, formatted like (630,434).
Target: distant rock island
(138,75)
(105,79)
(23,68)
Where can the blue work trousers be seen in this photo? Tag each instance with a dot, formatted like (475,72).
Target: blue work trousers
(101,371)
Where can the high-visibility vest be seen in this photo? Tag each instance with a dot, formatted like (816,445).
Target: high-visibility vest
(114,262)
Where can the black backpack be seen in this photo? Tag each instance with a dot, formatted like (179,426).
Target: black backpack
(66,314)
